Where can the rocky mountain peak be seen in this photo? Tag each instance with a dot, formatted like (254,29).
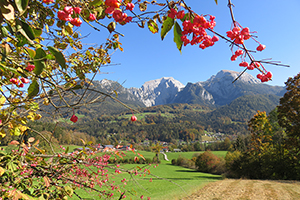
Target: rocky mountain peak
(228,75)
(158,92)
(165,81)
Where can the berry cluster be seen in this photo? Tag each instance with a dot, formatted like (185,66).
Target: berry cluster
(19,83)
(197,28)
(238,35)
(114,9)
(66,15)
(265,77)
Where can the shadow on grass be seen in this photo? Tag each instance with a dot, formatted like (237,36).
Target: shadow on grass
(192,178)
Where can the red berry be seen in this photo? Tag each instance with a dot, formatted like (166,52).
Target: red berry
(133,118)
(24,80)
(256,64)
(259,76)
(173,13)
(117,15)
(264,78)
(215,38)
(251,67)
(239,52)
(77,10)
(261,47)
(74,118)
(202,46)
(112,3)
(76,21)
(233,58)
(48,1)
(109,10)
(128,19)
(180,14)
(14,81)
(62,15)
(244,64)
(68,10)
(30,67)
(130,6)
(92,17)
(269,75)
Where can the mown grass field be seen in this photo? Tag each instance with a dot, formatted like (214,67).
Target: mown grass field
(238,189)
(169,183)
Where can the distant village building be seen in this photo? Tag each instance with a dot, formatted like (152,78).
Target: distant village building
(108,148)
(177,150)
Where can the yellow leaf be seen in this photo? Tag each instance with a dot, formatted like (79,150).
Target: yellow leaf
(2,170)
(23,128)
(2,101)
(82,141)
(2,134)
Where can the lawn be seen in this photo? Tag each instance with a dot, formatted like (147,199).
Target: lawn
(169,183)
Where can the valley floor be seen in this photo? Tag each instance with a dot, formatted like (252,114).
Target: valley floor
(248,189)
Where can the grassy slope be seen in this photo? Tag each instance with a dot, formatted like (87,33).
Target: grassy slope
(174,182)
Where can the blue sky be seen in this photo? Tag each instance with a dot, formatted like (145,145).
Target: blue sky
(146,57)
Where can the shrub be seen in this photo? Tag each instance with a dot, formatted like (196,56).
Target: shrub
(184,162)
(174,161)
(210,163)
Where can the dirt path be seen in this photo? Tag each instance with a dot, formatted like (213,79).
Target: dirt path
(240,189)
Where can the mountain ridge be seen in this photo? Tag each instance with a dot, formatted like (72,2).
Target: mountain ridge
(218,90)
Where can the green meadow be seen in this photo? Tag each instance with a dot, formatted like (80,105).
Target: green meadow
(169,182)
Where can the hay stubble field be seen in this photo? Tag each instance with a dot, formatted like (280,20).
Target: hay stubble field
(240,189)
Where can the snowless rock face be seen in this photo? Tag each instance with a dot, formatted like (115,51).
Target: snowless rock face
(229,76)
(223,89)
(158,92)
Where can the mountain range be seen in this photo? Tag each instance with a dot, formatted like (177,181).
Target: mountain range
(166,106)
(218,90)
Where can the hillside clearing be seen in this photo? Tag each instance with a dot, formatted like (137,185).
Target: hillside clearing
(248,189)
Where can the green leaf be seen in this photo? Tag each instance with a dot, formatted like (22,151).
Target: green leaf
(37,32)
(27,29)
(216,2)
(21,40)
(67,149)
(33,89)
(58,56)
(21,5)
(177,36)
(96,3)
(4,31)
(152,26)
(39,61)
(166,27)
(30,52)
